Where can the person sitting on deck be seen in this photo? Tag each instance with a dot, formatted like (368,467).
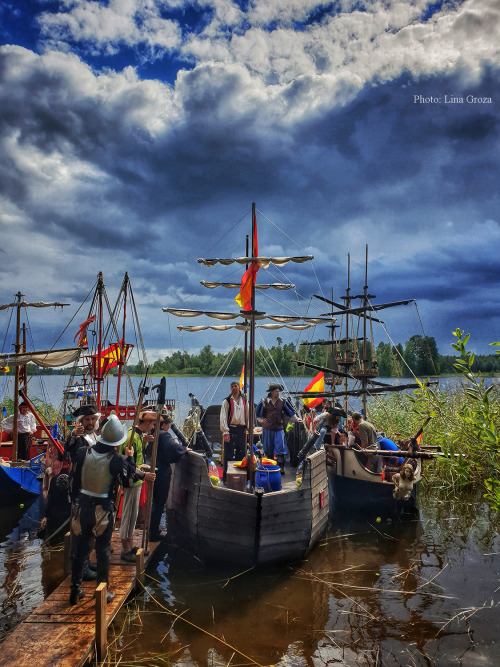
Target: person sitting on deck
(233,424)
(272,409)
(94,478)
(170,450)
(368,440)
(84,432)
(26,426)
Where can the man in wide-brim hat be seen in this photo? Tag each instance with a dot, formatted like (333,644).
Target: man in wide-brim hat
(95,475)
(272,409)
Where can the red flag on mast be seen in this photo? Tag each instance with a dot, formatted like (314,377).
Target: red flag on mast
(244,297)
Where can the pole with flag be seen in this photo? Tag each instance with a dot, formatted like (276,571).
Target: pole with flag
(317,384)
(246,300)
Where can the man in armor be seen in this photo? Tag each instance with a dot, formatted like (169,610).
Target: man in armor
(95,475)
(272,409)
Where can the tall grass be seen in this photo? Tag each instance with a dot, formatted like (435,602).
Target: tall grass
(465,425)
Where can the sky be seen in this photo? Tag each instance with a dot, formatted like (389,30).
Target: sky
(135,135)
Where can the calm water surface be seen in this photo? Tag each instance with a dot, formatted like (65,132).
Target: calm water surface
(424,590)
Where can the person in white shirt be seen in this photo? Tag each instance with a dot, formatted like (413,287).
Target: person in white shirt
(26,426)
(233,424)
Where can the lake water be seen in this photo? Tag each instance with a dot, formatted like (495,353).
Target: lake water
(423,591)
(206,389)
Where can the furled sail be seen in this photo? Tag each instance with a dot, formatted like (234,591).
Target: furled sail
(282,319)
(263,262)
(245,327)
(278,286)
(36,304)
(45,359)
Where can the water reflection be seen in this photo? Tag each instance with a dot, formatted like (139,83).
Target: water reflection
(422,590)
(30,572)
(416,591)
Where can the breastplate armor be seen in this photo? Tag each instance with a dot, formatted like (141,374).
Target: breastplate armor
(95,474)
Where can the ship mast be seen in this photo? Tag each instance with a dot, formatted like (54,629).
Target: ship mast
(17,350)
(251,369)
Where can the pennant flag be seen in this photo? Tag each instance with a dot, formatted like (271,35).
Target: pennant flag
(82,332)
(244,297)
(316,384)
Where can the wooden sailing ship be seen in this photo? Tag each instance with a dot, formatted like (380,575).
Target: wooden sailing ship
(100,375)
(353,481)
(19,479)
(243,524)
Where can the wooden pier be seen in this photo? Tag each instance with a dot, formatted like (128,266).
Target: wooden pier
(57,633)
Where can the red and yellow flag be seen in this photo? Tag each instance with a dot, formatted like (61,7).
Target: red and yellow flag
(316,384)
(109,358)
(244,297)
(242,378)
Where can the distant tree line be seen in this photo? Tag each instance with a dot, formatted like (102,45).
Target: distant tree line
(418,356)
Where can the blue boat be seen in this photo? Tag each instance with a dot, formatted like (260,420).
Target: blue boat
(21,482)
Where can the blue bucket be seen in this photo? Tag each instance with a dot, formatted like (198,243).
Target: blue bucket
(268,477)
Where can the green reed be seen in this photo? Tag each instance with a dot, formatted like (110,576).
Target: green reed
(465,425)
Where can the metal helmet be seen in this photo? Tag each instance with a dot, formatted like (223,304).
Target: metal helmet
(113,433)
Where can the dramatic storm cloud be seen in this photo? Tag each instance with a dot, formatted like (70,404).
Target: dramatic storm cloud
(135,134)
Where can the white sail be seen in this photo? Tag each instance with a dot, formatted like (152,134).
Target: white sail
(278,286)
(36,304)
(282,319)
(45,359)
(245,327)
(263,262)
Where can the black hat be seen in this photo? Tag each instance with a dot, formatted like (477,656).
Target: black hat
(166,419)
(274,385)
(337,412)
(85,410)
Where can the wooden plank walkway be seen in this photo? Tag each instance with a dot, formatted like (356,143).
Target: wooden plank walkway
(56,633)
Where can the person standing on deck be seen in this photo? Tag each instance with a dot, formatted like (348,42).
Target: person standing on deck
(170,450)
(26,426)
(368,436)
(132,494)
(94,477)
(83,434)
(233,424)
(272,409)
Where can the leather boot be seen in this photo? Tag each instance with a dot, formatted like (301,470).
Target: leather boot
(280,460)
(75,593)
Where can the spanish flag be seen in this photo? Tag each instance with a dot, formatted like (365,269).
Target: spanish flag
(244,297)
(242,378)
(316,384)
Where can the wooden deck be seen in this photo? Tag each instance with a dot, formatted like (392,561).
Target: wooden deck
(56,633)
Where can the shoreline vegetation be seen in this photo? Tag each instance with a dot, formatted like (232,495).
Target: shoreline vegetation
(418,357)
